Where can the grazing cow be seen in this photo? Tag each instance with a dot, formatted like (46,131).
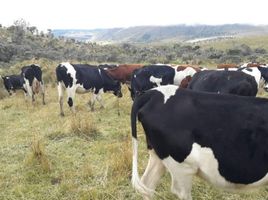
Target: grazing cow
(123,72)
(13,83)
(221,138)
(151,76)
(83,78)
(224,82)
(33,81)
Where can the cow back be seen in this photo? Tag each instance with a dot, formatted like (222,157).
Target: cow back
(227,82)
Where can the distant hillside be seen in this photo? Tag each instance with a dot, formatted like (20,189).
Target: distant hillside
(148,34)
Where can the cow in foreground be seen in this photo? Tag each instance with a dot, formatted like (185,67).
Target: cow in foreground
(221,138)
(224,82)
(151,76)
(33,81)
(83,78)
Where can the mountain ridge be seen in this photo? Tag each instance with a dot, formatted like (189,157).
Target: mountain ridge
(149,34)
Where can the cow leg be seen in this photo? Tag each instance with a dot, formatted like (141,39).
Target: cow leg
(33,99)
(153,172)
(71,94)
(181,175)
(29,89)
(43,92)
(92,101)
(98,97)
(25,92)
(60,92)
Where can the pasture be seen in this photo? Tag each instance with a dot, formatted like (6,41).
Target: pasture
(82,156)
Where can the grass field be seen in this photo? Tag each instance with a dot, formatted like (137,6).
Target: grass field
(85,156)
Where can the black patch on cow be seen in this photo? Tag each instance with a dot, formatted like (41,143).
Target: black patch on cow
(30,72)
(224,82)
(233,127)
(70,101)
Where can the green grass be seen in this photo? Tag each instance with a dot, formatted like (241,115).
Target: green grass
(87,156)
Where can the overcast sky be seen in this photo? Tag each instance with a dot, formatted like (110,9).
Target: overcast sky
(90,14)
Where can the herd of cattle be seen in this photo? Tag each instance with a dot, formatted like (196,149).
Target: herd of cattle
(196,121)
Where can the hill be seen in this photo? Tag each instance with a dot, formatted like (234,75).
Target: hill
(148,34)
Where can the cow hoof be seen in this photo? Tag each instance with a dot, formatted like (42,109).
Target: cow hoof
(62,114)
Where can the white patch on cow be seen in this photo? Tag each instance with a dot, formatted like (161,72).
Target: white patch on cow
(228,69)
(161,64)
(7,77)
(201,161)
(167,91)
(255,73)
(27,87)
(71,71)
(155,80)
(180,75)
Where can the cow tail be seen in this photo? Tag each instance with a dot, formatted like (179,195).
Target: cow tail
(36,86)
(136,181)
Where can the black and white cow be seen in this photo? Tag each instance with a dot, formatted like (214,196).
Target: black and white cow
(224,82)
(83,78)
(264,74)
(33,81)
(258,71)
(151,76)
(221,138)
(13,83)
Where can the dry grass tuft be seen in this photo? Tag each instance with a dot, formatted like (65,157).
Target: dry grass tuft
(83,125)
(120,159)
(38,156)
(3,92)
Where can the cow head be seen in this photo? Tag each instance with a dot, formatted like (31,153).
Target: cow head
(110,84)
(117,89)
(7,84)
